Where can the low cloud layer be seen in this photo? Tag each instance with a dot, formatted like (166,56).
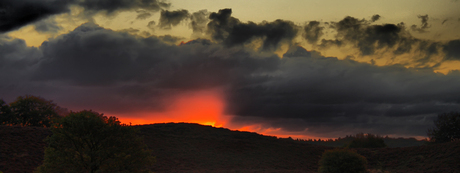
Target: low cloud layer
(115,72)
(172,18)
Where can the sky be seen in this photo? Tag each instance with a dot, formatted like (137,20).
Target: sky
(299,68)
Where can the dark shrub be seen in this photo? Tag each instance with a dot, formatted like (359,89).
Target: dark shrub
(342,161)
(447,128)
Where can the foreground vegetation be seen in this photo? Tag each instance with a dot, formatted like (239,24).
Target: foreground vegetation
(87,141)
(342,161)
(90,142)
(182,147)
(387,141)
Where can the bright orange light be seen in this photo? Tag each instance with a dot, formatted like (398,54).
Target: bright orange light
(202,107)
(206,108)
(278,132)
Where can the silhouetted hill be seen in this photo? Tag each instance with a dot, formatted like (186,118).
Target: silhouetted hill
(192,147)
(182,147)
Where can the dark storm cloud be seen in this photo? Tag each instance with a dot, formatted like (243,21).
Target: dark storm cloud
(15,56)
(113,6)
(91,62)
(115,72)
(452,50)
(313,31)
(17,62)
(82,55)
(93,56)
(172,18)
(343,93)
(17,13)
(229,30)
(424,25)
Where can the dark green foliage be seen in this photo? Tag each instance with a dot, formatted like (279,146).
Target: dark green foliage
(367,141)
(90,142)
(5,113)
(390,142)
(447,128)
(29,111)
(342,161)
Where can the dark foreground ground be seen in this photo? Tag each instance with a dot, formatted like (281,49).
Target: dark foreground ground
(195,148)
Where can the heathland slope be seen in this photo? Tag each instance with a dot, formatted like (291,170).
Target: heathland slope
(182,147)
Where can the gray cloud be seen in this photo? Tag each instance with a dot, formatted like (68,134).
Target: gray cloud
(151,25)
(424,25)
(199,20)
(231,31)
(15,56)
(172,18)
(452,50)
(313,32)
(375,17)
(391,38)
(142,14)
(366,36)
(47,26)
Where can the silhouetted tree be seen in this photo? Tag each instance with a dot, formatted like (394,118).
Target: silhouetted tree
(5,113)
(447,128)
(33,111)
(367,141)
(87,141)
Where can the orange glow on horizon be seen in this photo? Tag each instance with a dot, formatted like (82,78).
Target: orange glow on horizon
(205,108)
(202,107)
(278,132)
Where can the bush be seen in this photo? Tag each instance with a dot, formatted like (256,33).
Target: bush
(90,142)
(367,141)
(447,128)
(342,161)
